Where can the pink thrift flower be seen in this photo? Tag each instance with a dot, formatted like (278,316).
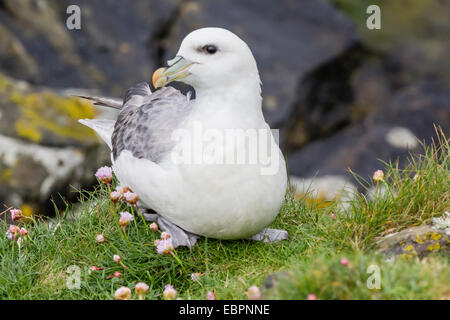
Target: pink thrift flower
(115,196)
(16,214)
(125,219)
(10,235)
(116,274)
(104,175)
(378,175)
(311,296)
(23,232)
(94,268)
(210,296)
(344,262)
(100,238)
(195,276)
(165,235)
(117,258)
(13,232)
(14,229)
(123,190)
(131,197)
(332,216)
(141,289)
(123,293)
(154,226)
(253,293)
(165,246)
(169,293)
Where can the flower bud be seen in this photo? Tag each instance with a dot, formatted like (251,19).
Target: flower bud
(344,262)
(116,274)
(16,214)
(123,293)
(125,218)
(100,238)
(195,276)
(95,268)
(10,235)
(210,296)
(378,175)
(123,190)
(154,226)
(131,197)
(165,247)
(169,293)
(141,289)
(165,235)
(14,229)
(311,296)
(117,258)
(253,293)
(115,196)
(104,175)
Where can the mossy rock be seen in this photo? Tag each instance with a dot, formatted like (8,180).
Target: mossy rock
(43,149)
(415,242)
(43,116)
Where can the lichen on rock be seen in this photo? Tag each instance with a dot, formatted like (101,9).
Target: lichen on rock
(43,148)
(42,116)
(414,242)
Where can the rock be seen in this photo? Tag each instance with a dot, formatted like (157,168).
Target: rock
(43,149)
(357,147)
(414,242)
(389,134)
(324,100)
(416,108)
(273,279)
(371,89)
(114,49)
(443,222)
(289,39)
(434,63)
(14,59)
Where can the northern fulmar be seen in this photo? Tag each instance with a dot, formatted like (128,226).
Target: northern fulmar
(208,166)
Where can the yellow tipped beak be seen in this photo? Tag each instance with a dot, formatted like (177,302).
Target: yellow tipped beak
(158,79)
(178,69)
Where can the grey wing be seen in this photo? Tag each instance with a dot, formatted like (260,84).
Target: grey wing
(145,124)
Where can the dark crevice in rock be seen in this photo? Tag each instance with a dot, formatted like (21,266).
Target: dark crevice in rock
(157,39)
(324,98)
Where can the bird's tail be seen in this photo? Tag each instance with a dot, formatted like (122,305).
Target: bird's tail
(104,128)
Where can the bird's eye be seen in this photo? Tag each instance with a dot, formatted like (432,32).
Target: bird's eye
(211,49)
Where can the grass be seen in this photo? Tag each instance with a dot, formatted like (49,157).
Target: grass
(318,241)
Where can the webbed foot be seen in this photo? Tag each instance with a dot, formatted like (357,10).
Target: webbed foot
(270,235)
(179,236)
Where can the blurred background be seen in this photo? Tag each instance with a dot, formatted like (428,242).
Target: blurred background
(343,96)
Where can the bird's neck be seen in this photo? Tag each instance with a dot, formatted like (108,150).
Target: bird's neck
(241,98)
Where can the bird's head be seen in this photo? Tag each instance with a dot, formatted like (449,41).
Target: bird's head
(209,57)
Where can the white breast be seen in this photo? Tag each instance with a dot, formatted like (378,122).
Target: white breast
(224,201)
